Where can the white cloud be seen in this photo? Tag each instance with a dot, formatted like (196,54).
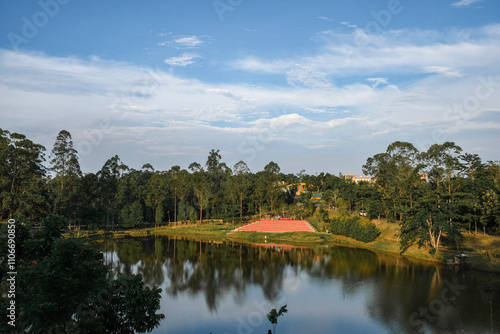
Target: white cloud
(183,60)
(442,70)
(188,42)
(392,52)
(308,76)
(463,3)
(378,81)
(151,112)
(185,42)
(325,18)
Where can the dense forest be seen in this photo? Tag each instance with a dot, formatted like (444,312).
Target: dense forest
(458,193)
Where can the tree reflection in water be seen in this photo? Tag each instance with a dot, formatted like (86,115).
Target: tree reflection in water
(394,287)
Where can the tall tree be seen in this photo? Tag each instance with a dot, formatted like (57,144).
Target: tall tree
(239,185)
(396,175)
(65,165)
(201,186)
(174,175)
(157,193)
(274,188)
(109,177)
(437,209)
(64,158)
(22,176)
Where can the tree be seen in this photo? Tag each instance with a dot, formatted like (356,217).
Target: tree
(490,209)
(176,183)
(130,306)
(443,162)
(444,168)
(396,175)
(64,158)
(156,193)
(271,173)
(471,165)
(64,289)
(201,187)
(239,185)
(195,167)
(427,221)
(186,211)
(21,176)
(273,315)
(133,215)
(109,177)
(53,288)
(67,171)
(88,208)
(272,168)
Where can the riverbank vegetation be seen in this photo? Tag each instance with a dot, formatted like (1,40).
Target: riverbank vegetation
(436,200)
(57,285)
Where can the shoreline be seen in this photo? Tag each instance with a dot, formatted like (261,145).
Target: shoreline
(477,260)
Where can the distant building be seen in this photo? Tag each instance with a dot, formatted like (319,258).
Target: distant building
(370,179)
(317,197)
(301,188)
(355,179)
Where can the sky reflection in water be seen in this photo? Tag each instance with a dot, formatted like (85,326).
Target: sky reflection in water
(229,288)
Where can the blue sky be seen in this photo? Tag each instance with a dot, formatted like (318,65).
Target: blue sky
(319,85)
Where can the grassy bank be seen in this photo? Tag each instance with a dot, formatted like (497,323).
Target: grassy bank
(483,251)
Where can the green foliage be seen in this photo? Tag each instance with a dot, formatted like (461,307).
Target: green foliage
(159,214)
(126,306)
(62,287)
(354,227)
(21,176)
(468,189)
(132,216)
(186,212)
(53,288)
(273,315)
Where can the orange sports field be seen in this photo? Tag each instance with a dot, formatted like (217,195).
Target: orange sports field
(278,226)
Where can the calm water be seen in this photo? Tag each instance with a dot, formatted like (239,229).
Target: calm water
(229,288)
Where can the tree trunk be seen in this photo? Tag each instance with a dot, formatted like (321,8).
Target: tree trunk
(241,208)
(201,207)
(438,239)
(175,205)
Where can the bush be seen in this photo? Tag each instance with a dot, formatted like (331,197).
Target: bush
(354,227)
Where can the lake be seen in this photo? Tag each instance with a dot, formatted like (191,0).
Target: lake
(225,288)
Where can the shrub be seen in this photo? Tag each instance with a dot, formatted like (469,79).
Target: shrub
(354,227)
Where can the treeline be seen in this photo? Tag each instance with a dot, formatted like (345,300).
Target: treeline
(434,194)
(118,195)
(461,191)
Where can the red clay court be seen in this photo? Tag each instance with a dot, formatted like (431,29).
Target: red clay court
(278,226)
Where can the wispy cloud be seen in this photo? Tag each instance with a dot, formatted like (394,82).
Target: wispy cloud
(185,42)
(150,111)
(188,42)
(325,18)
(444,70)
(308,76)
(183,60)
(398,52)
(464,3)
(378,81)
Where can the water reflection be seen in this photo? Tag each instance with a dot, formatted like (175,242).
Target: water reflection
(327,289)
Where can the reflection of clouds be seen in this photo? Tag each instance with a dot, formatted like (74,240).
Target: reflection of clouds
(326,289)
